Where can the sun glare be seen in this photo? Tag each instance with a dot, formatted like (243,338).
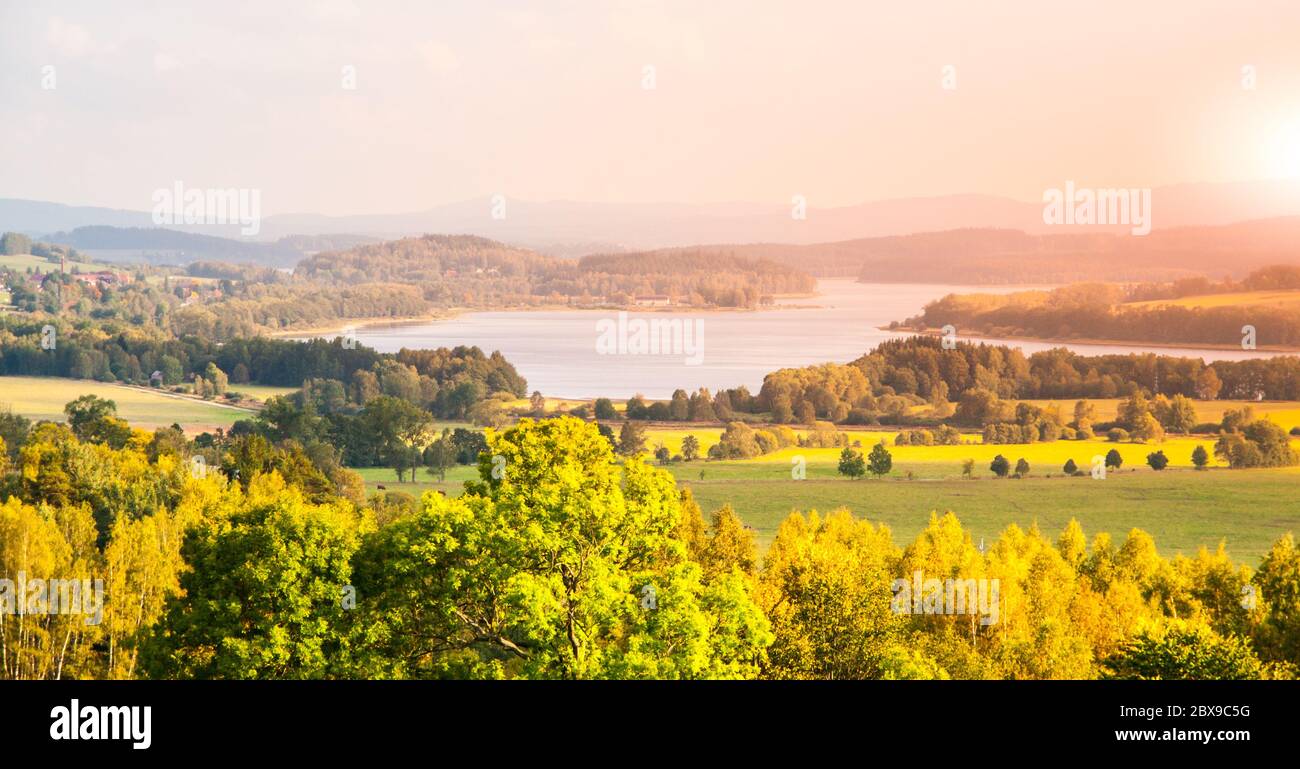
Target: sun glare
(1288,153)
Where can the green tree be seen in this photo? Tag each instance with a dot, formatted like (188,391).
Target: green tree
(1114,460)
(565,566)
(1200,457)
(604,409)
(1157,460)
(440,455)
(218,382)
(1070,467)
(13,243)
(631,439)
(879,461)
(1022,467)
(1000,466)
(1184,652)
(690,448)
(264,592)
(94,420)
(852,464)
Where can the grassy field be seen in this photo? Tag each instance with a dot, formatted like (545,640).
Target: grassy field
(21,262)
(261,392)
(1181,509)
(1289,299)
(44,397)
(386,477)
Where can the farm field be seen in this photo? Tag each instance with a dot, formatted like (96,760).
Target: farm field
(1285,413)
(387,477)
(1273,298)
(262,392)
(1182,509)
(44,398)
(21,262)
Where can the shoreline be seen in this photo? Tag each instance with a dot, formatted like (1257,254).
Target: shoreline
(1206,346)
(338,327)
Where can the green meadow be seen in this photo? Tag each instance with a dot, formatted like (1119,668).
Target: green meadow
(40,398)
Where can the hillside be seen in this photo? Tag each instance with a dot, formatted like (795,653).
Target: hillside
(990,256)
(466,269)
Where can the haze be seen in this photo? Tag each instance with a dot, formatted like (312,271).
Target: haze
(840,102)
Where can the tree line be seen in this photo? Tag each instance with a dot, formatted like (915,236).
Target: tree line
(561,562)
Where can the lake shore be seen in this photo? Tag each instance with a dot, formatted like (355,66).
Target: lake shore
(335,328)
(1208,347)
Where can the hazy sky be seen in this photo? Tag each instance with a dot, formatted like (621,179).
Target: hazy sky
(841,102)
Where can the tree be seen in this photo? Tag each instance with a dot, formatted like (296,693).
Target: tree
(690,448)
(440,455)
(395,426)
(604,409)
(1114,460)
(566,567)
(1070,467)
(968,468)
(827,583)
(1184,651)
(1022,467)
(1260,443)
(1157,460)
(879,461)
(1000,466)
(537,403)
(263,592)
(1177,414)
(1208,384)
(631,439)
(94,420)
(217,380)
(1200,457)
(1278,579)
(13,243)
(852,464)
(662,455)
(489,413)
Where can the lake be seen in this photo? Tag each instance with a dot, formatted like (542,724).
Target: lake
(590,353)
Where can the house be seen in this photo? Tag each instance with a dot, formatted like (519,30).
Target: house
(102,277)
(653,300)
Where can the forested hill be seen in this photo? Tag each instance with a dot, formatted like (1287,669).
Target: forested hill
(1005,256)
(465,269)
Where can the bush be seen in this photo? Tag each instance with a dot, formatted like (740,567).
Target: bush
(1157,460)
(1117,435)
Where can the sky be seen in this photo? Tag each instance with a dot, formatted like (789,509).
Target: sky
(840,102)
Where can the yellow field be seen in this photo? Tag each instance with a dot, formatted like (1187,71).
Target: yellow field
(1285,413)
(44,397)
(261,392)
(1042,457)
(1278,298)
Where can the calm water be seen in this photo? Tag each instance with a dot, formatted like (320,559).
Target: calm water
(556,350)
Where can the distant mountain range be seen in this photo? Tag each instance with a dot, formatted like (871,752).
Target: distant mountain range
(1003,256)
(569,229)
